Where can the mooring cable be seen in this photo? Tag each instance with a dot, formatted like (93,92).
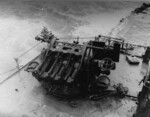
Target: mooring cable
(20,66)
(29,50)
(19,57)
(17,71)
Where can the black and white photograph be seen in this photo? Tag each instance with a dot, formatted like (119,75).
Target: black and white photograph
(74,58)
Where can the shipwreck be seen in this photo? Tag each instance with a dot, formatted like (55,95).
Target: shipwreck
(73,71)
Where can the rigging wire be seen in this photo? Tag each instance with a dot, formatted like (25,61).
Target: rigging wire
(16,71)
(87,38)
(9,71)
(19,57)
(66,38)
(29,50)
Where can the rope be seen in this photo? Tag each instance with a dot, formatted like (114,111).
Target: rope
(17,71)
(19,57)
(7,71)
(66,38)
(120,39)
(28,50)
